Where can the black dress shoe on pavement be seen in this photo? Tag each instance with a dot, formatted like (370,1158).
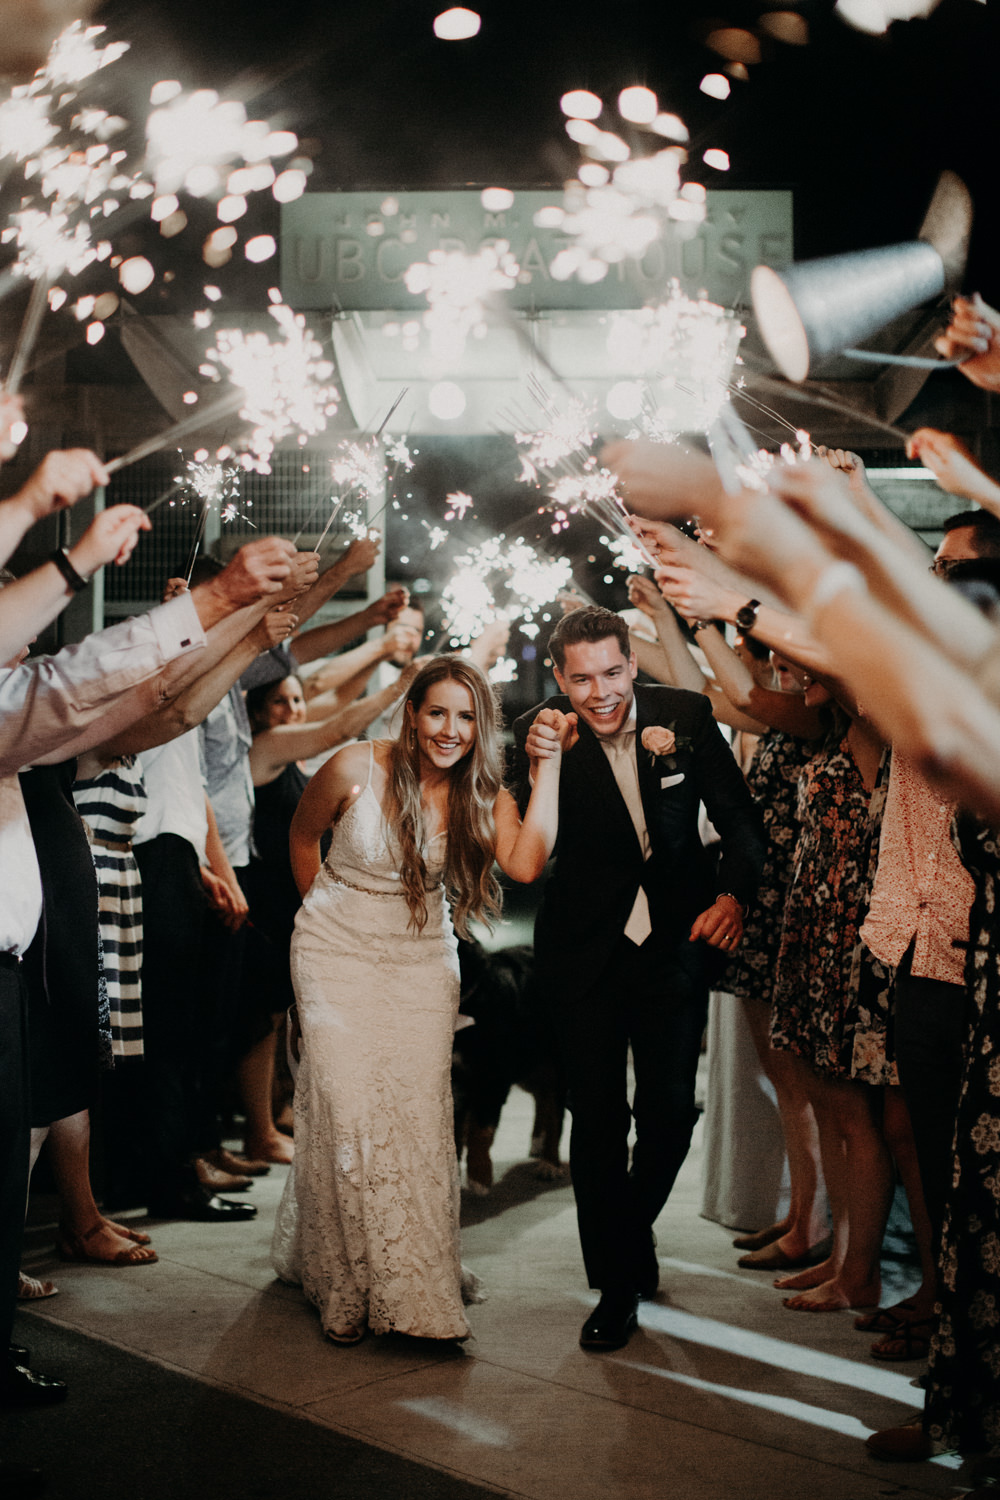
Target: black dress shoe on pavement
(23,1388)
(19,1355)
(612,1323)
(20,1481)
(201,1205)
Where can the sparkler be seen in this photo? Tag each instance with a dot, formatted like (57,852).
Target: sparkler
(75,181)
(620,202)
(505,570)
(460,290)
(181,429)
(284,384)
(578,484)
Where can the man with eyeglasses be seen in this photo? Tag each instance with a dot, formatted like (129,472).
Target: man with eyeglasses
(971,534)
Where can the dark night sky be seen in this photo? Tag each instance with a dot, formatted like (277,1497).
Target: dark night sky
(858,126)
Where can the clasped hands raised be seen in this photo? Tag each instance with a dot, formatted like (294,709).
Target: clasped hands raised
(552,734)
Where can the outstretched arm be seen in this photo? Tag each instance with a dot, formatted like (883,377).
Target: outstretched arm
(32,602)
(954,467)
(325,639)
(275,748)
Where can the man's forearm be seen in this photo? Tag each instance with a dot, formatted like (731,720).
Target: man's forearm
(16,520)
(59,706)
(323,590)
(343,668)
(324,640)
(190,707)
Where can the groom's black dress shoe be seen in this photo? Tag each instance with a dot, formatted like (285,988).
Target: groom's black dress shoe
(612,1323)
(19,1355)
(201,1205)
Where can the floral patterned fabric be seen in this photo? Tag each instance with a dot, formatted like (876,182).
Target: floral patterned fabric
(868,1012)
(963,1392)
(822,913)
(773,777)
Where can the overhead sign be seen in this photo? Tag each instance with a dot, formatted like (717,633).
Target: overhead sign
(351,250)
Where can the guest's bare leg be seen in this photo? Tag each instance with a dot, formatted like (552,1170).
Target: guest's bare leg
(805,1223)
(84,1233)
(264,1142)
(868,1179)
(919,1306)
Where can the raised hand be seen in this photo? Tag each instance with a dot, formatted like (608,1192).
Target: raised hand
(644,594)
(304,571)
(110,537)
(277,625)
(383,611)
(361,554)
(552,733)
(973,335)
(950,461)
(258,569)
(692,594)
(62,478)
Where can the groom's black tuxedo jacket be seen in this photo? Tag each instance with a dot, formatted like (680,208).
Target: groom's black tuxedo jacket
(599,864)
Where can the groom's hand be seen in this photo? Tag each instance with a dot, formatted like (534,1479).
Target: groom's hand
(552,733)
(721,926)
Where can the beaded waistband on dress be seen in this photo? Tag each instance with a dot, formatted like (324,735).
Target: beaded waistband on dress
(367,891)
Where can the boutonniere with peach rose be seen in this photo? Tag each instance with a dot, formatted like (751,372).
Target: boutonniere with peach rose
(662,743)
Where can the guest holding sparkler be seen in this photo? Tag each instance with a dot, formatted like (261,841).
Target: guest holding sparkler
(369,1219)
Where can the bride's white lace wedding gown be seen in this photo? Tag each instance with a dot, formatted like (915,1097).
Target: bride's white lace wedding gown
(369,1219)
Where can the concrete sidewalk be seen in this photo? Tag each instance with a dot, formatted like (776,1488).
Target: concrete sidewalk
(722,1395)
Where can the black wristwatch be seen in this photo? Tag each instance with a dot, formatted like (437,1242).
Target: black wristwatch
(746,615)
(74,580)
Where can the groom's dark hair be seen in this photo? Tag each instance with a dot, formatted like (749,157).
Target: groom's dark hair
(590,623)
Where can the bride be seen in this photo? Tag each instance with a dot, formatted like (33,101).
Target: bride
(368,1223)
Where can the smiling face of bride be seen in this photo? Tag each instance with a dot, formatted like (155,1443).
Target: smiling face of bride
(444,724)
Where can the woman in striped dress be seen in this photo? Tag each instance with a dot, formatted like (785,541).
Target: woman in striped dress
(110,799)
(109,796)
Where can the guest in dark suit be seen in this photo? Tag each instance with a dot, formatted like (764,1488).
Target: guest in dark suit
(622,935)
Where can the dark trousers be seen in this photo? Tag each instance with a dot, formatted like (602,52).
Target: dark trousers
(14,1138)
(174,1020)
(931,1028)
(656,1000)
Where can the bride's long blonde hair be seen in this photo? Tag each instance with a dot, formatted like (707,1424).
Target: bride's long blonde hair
(473,787)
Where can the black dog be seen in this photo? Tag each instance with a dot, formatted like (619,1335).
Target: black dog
(509,1043)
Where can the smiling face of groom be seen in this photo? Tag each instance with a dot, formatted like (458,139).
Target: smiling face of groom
(597,678)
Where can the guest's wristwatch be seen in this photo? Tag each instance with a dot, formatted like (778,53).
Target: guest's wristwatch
(746,616)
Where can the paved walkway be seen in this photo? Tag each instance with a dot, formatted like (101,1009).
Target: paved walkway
(722,1395)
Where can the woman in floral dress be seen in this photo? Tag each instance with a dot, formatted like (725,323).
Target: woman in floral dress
(963,1391)
(812,996)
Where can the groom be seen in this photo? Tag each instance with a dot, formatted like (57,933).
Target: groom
(620,939)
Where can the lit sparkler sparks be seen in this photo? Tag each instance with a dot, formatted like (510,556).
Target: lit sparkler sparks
(458,503)
(683,349)
(501,579)
(577,484)
(217,486)
(460,290)
(285,382)
(193,138)
(619,202)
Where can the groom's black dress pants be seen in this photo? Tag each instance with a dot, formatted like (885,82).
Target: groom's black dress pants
(654,998)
